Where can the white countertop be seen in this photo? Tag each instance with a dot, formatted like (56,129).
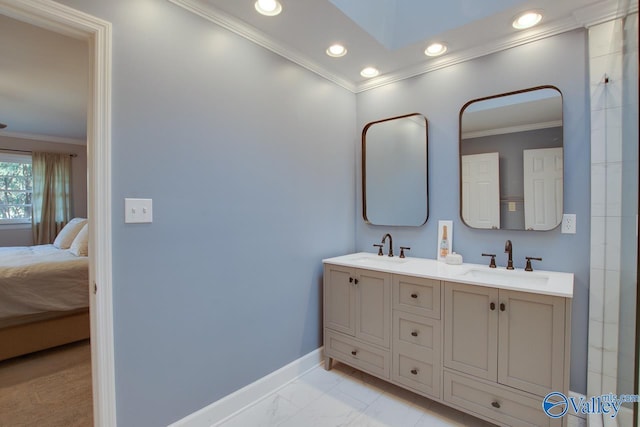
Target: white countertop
(537,281)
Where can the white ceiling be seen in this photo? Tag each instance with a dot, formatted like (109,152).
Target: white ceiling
(392,34)
(43,83)
(44,75)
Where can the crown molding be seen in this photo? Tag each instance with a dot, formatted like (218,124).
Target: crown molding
(46,138)
(583,18)
(512,129)
(250,33)
(602,12)
(518,39)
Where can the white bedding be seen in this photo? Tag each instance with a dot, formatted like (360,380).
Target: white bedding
(42,278)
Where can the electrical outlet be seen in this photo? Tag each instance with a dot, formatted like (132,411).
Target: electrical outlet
(569,224)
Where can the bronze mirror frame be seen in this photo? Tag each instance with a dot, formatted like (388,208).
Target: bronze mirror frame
(508,188)
(366,213)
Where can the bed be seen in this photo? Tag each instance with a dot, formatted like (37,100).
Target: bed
(44,298)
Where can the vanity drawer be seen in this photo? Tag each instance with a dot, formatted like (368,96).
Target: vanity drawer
(357,354)
(416,353)
(515,409)
(422,376)
(417,295)
(411,331)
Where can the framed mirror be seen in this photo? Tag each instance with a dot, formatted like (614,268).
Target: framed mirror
(511,160)
(394,171)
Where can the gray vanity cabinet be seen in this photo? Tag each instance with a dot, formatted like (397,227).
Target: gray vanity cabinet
(531,342)
(504,338)
(514,338)
(492,352)
(357,318)
(417,343)
(471,329)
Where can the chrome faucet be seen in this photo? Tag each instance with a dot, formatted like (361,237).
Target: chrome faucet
(508,248)
(384,238)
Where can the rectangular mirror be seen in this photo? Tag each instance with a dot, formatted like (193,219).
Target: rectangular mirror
(511,160)
(394,171)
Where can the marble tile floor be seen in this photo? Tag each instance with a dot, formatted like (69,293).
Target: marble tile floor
(347,397)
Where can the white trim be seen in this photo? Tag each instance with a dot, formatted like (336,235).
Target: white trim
(250,33)
(580,18)
(62,19)
(40,137)
(239,400)
(512,129)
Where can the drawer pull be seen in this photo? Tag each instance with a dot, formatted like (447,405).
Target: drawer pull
(414,295)
(495,404)
(354,352)
(414,333)
(492,306)
(414,371)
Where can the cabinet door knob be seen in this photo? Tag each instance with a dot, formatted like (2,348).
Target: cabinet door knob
(495,404)
(492,306)
(355,281)
(414,295)
(502,307)
(350,279)
(414,371)
(354,352)
(414,333)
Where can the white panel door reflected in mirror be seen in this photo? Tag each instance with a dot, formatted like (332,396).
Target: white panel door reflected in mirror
(525,130)
(394,171)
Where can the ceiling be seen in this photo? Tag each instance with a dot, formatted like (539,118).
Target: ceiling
(43,83)
(392,35)
(44,75)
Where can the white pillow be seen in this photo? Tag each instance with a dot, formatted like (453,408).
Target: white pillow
(68,233)
(80,245)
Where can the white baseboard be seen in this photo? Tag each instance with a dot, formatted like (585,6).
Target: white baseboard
(229,405)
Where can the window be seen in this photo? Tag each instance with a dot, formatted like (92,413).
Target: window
(16,188)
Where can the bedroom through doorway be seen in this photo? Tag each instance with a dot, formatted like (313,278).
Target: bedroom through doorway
(45,352)
(96,35)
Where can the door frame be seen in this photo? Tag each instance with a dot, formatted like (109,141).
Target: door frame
(65,20)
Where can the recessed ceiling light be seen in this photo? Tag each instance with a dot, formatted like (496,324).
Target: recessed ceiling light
(369,72)
(268,7)
(435,49)
(527,20)
(336,50)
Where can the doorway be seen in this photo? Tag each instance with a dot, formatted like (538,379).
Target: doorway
(62,19)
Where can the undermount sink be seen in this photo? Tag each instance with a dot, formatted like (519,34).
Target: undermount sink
(379,260)
(507,276)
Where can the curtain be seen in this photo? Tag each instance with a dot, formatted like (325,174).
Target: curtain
(51,202)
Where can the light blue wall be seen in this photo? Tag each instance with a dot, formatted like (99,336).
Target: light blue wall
(249,161)
(560,61)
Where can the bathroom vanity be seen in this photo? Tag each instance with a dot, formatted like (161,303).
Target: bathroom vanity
(489,342)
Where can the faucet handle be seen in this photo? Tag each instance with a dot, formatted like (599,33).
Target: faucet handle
(492,264)
(379,249)
(402,248)
(529,259)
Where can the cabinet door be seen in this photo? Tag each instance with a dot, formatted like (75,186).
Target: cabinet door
(471,329)
(339,299)
(531,342)
(373,307)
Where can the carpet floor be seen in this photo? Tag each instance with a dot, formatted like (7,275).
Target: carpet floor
(50,388)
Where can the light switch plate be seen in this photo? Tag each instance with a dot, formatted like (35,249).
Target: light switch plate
(138,211)
(569,224)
